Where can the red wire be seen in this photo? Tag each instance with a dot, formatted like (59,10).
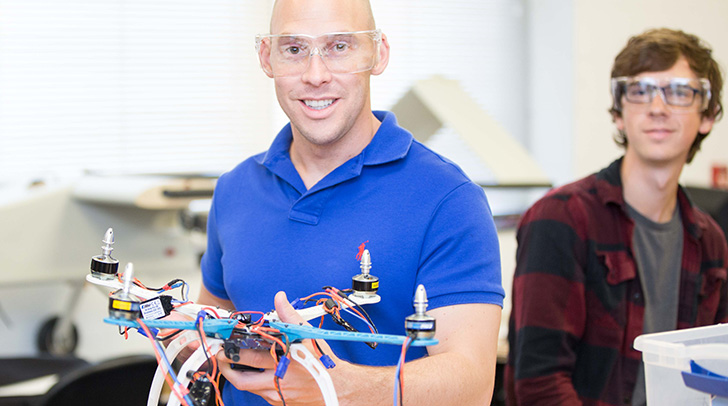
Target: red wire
(206,348)
(261,331)
(257,322)
(207,308)
(167,376)
(216,384)
(342,303)
(401,368)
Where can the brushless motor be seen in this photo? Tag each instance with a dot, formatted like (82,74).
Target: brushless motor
(104,266)
(420,324)
(365,284)
(122,304)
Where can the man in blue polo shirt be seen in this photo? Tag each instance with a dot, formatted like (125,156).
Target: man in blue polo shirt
(292,220)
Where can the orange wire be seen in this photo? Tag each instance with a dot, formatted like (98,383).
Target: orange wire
(167,376)
(206,348)
(303,299)
(273,354)
(119,277)
(276,382)
(319,354)
(216,385)
(261,330)
(341,300)
(334,295)
(401,368)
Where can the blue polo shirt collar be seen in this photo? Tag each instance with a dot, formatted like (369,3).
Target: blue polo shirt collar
(390,143)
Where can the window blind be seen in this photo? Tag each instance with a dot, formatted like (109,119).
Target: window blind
(140,86)
(129,86)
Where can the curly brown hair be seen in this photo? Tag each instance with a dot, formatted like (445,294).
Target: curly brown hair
(658,50)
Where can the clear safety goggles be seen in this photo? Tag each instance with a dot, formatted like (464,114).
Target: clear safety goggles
(678,93)
(341,52)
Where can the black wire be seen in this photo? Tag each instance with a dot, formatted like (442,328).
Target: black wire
(182,291)
(288,344)
(169,336)
(399,383)
(401,395)
(172,282)
(399,378)
(364,312)
(275,377)
(278,388)
(202,343)
(169,284)
(342,293)
(317,346)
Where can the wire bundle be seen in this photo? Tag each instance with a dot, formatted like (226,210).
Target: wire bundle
(250,333)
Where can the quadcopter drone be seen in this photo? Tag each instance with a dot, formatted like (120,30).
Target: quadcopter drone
(132,305)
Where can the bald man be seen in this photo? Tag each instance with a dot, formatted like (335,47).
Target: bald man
(338,175)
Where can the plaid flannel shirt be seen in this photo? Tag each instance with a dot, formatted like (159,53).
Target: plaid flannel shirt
(577,299)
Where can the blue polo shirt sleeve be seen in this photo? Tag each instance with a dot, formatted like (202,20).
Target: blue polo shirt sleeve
(211,264)
(460,260)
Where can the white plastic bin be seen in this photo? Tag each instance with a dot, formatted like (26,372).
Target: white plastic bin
(666,355)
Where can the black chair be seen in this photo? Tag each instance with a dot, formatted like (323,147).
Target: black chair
(117,382)
(14,371)
(714,202)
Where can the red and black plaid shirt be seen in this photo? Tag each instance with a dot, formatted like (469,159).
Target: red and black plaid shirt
(577,299)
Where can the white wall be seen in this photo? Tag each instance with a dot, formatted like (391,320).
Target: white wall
(551,86)
(573,45)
